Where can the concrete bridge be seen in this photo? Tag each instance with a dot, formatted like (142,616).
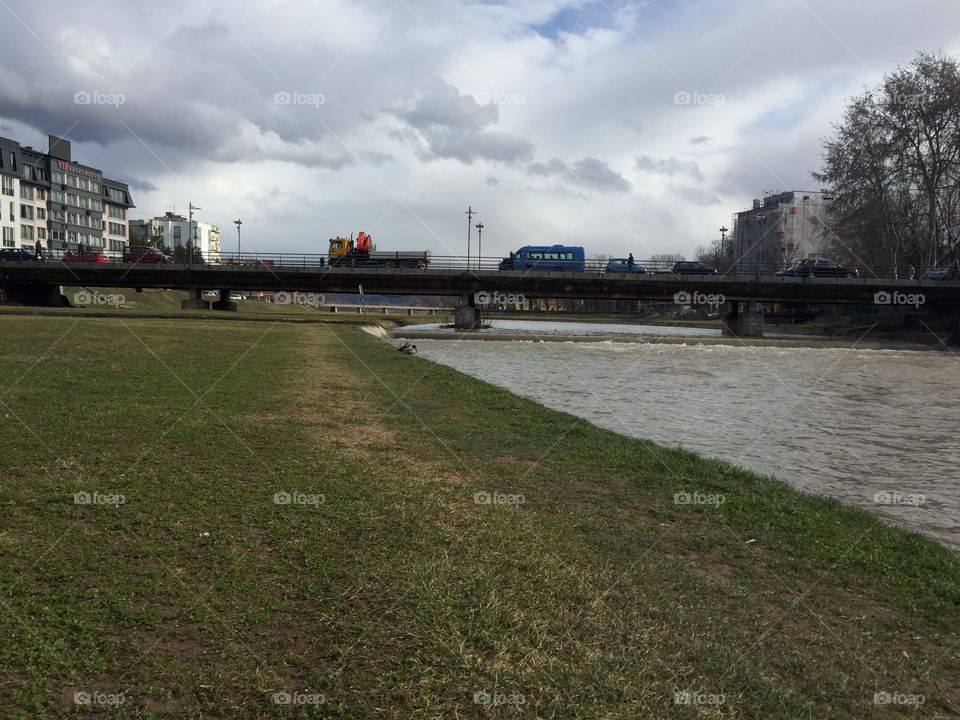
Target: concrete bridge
(39,283)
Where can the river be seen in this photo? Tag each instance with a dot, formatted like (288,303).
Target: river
(879,429)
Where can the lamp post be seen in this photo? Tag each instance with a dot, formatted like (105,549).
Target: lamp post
(192,241)
(238,222)
(479,227)
(723,244)
(470,213)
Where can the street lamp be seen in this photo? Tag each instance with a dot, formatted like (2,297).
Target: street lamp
(469,213)
(238,222)
(192,241)
(479,227)
(723,244)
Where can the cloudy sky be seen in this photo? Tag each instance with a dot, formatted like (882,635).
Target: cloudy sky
(618,125)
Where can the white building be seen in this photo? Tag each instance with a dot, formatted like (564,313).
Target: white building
(178,231)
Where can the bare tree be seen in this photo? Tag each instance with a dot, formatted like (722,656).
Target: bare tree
(893,164)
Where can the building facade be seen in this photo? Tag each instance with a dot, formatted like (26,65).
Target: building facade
(178,231)
(780,231)
(9,193)
(50,199)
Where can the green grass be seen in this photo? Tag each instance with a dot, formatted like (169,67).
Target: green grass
(166,303)
(399,596)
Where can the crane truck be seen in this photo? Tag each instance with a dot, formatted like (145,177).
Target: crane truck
(345,252)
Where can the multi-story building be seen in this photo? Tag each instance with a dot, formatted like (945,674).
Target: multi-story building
(116,203)
(47,197)
(9,193)
(178,231)
(784,228)
(34,198)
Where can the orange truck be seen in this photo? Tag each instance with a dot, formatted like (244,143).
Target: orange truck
(347,252)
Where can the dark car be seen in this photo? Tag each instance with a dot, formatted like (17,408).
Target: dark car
(941,273)
(89,256)
(20,255)
(623,265)
(818,267)
(145,254)
(691,267)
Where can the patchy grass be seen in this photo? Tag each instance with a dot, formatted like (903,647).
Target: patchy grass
(583,591)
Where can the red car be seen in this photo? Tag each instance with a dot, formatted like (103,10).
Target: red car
(89,256)
(144,254)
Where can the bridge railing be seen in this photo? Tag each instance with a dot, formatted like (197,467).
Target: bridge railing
(653,267)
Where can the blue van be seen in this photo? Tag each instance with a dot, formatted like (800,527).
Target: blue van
(567,258)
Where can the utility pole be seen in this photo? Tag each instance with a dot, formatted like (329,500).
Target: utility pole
(238,223)
(723,244)
(470,213)
(479,227)
(191,243)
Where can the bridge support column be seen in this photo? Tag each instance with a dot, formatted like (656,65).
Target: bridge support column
(195,301)
(466,316)
(743,321)
(225,303)
(37,295)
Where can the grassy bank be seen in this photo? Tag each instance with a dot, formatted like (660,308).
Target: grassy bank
(388,587)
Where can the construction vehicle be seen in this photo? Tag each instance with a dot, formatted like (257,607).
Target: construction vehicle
(345,252)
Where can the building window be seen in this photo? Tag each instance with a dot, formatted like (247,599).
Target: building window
(41,233)
(117,229)
(59,178)
(41,194)
(13,212)
(7,185)
(8,238)
(26,192)
(41,214)
(26,212)
(176,236)
(115,211)
(26,232)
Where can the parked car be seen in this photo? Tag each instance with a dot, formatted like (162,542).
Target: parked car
(21,255)
(89,256)
(145,254)
(622,265)
(692,267)
(818,267)
(941,273)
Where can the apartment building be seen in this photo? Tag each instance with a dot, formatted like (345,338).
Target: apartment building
(50,198)
(783,229)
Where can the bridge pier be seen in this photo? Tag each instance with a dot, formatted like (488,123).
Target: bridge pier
(36,295)
(466,316)
(745,322)
(225,303)
(195,301)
